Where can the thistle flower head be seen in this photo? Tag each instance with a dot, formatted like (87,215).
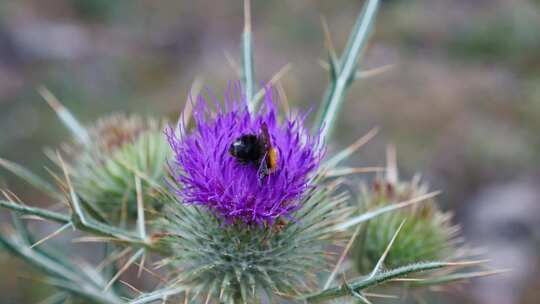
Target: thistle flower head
(427,234)
(246,190)
(121,148)
(244,225)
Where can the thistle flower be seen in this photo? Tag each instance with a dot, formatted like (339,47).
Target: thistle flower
(236,190)
(120,148)
(239,230)
(426,235)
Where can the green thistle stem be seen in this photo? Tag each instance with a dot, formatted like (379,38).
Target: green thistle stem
(248,71)
(86,225)
(360,284)
(42,213)
(63,274)
(343,74)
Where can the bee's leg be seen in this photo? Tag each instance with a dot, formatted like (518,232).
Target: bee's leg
(262,171)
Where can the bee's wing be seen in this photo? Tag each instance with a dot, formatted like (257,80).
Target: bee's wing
(265,136)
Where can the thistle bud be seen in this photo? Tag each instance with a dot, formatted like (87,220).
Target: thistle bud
(427,234)
(104,171)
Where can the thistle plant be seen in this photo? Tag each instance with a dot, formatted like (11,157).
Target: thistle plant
(242,206)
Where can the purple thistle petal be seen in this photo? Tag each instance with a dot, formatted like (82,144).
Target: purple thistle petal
(208,175)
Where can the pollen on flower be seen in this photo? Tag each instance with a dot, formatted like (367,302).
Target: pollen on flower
(208,174)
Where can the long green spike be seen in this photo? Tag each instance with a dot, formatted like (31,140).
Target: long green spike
(337,90)
(30,178)
(158,295)
(65,116)
(374,213)
(248,71)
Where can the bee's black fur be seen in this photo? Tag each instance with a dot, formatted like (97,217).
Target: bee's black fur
(248,148)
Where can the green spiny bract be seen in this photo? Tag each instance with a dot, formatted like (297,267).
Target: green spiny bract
(104,171)
(427,234)
(242,264)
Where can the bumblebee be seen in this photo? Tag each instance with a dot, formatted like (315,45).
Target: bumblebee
(256,149)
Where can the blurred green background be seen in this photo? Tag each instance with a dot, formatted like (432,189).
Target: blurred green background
(461,104)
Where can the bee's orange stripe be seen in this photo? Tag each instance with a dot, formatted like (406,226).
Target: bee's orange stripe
(272,159)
